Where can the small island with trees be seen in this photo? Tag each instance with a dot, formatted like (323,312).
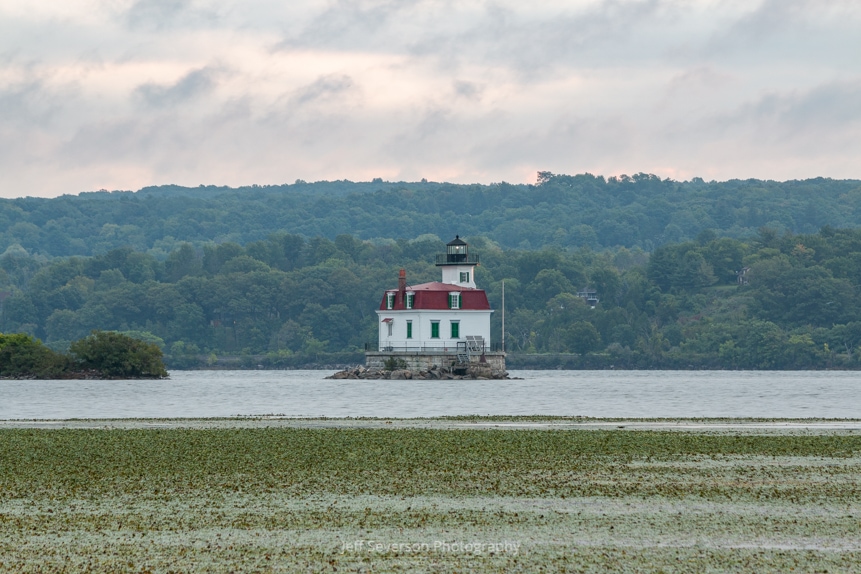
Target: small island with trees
(101,355)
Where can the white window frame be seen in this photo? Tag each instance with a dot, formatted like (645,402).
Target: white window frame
(390,300)
(454,300)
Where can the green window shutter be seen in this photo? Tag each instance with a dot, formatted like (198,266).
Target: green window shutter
(435,330)
(449,300)
(409,329)
(455,330)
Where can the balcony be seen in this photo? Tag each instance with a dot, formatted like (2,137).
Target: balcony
(442,348)
(457,259)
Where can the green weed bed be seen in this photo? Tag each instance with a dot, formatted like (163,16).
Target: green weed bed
(287,499)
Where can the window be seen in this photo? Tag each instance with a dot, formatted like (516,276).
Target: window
(409,329)
(411,298)
(454,300)
(464,277)
(390,323)
(455,329)
(390,300)
(434,329)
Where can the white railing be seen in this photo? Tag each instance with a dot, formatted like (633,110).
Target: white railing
(404,347)
(474,345)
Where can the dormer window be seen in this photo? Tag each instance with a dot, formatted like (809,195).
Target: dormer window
(454,300)
(410,300)
(390,300)
(464,276)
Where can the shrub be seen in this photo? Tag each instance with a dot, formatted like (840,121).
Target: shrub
(23,356)
(394,364)
(118,356)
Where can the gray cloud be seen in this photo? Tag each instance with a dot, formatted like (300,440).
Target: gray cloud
(323,89)
(467,90)
(195,84)
(155,14)
(350,23)
(29,104)
(175,91)
(453,36)
(829,108)
(158,15)
(833,105)
(786,30)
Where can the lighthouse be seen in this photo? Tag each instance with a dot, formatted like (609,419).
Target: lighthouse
(443,323)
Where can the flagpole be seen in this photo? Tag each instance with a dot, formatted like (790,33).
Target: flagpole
(503,315)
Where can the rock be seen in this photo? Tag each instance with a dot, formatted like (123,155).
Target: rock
(474,371)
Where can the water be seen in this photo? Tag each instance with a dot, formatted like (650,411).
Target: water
(566,393)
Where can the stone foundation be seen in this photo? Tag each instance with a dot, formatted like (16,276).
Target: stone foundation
(417,362)
(424,366)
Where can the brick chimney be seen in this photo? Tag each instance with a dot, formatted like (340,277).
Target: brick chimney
(400,299)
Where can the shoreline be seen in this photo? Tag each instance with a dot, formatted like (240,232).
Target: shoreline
(697,425)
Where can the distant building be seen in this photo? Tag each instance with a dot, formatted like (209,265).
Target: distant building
(440,314)
(590,295)
(443,323)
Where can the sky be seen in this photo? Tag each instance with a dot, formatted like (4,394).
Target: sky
(122,94)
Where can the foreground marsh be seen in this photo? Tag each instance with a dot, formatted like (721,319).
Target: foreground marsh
(282,499)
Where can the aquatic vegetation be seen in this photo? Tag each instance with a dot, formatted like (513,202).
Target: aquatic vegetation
(281,499)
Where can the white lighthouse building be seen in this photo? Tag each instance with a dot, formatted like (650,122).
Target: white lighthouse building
(441,316)
(443,323)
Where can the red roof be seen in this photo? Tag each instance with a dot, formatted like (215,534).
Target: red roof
(434,295)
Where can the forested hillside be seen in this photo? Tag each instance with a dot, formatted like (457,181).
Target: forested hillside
(296,300)
(560,211)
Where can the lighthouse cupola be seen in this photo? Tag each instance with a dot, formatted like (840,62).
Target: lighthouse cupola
(458,265)
(457,250)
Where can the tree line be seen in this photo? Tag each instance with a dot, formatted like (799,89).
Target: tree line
(771,301)
(561,211)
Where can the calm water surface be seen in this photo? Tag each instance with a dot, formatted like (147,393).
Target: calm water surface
(566,393)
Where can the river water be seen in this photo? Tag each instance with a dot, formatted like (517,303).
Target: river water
(802,394)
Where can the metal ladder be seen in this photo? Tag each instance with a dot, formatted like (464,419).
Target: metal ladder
(462,353)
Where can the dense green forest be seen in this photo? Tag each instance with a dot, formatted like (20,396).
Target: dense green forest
(295,300)
(560,211)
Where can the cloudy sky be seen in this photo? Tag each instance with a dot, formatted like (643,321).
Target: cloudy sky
(119,94)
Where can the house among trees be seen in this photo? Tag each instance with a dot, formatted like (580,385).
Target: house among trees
(590,295)
(443,323)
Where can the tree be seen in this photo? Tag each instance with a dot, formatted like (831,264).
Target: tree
(118,356)
(582,337)
(23,356)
